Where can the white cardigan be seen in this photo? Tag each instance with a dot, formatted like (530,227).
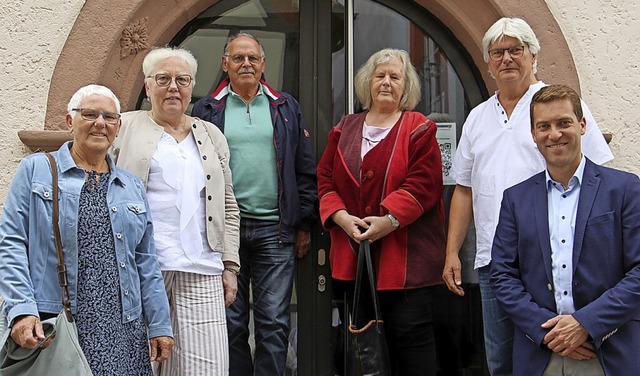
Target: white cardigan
(134,147)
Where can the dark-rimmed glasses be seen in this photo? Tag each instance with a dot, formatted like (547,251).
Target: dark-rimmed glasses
(162,79)
(89,114)
(497,54)
(239,59)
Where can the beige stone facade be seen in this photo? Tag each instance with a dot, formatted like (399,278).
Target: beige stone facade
(50,47)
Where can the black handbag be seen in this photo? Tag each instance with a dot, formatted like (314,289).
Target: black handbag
(367,348)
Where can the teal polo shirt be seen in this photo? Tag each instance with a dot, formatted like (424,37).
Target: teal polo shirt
(249,132)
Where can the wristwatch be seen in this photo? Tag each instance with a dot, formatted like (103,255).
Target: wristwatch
(394,221)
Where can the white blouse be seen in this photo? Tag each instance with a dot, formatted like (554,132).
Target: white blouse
(175,191)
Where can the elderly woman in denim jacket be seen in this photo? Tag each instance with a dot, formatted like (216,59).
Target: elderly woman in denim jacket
(117,292)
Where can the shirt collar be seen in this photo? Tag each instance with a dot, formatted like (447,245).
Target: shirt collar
(260,91)
(575,179)
(65,162)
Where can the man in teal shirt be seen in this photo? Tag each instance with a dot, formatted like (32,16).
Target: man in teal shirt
(275,185)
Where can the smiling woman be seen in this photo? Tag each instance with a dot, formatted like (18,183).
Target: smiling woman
(94,123)
(114,279)
(184,165)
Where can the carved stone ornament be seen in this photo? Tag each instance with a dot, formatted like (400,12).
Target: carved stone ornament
(134,38)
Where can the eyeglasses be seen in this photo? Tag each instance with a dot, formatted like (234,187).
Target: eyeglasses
(239,59)
(162,79)
(497,54)
(90,114)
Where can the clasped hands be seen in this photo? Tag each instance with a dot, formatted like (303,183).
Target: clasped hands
(369,228)
(568,337)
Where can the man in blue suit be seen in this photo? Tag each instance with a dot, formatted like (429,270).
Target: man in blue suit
(566,254)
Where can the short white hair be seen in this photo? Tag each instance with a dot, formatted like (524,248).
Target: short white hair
(515,28)
(89,90)
(158,54)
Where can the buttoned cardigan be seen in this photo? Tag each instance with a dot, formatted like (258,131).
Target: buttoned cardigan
(401,175)
(133,150)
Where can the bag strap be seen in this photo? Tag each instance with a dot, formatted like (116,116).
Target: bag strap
(364,259)
(62,269)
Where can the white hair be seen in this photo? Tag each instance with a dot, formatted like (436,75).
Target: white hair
(158,54)
(515,28)
(89,90)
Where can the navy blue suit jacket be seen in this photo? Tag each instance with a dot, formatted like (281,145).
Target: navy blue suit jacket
(606,268)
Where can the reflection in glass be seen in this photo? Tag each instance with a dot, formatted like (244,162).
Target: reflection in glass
(457,321)
(274,22)
(442,91)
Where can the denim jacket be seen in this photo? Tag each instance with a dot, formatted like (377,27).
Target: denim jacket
(28,260)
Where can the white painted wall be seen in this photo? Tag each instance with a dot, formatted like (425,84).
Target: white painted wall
(603,36)
(32,34)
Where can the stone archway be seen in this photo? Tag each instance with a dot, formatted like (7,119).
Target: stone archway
(108,42)
(469,23)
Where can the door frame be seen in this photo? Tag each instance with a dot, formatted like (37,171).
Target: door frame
(314,307)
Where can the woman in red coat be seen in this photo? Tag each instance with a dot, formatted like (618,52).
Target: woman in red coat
(380,180)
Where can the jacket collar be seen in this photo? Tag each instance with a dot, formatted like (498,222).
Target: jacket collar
(65,162)
(223,90)
(588,189)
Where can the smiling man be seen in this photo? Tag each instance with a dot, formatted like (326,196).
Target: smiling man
(274,179)
(566,254)
(494,153)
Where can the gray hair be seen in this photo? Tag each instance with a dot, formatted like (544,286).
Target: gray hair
(246,35)
(362,82)
(89,90)
(514,28)
(158,54)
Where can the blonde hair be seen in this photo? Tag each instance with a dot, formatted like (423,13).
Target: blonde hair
(362,82)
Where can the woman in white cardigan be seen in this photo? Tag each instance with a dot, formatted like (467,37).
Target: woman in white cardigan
(184,164)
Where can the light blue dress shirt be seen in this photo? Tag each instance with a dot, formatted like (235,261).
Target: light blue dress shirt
(563,206)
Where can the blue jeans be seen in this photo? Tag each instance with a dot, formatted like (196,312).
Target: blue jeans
(498,329)
(268,264)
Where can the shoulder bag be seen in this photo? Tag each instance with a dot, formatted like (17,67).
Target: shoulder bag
(64,355)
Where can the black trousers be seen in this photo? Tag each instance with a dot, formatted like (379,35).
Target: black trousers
(408,325)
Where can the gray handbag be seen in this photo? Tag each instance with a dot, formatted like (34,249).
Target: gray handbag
(63,356)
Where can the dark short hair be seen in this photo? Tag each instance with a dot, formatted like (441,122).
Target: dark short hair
(553,93)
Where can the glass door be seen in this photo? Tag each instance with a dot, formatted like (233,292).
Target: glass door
(313,48)
(451,86)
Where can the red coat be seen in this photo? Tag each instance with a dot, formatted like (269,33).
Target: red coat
(402,175)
